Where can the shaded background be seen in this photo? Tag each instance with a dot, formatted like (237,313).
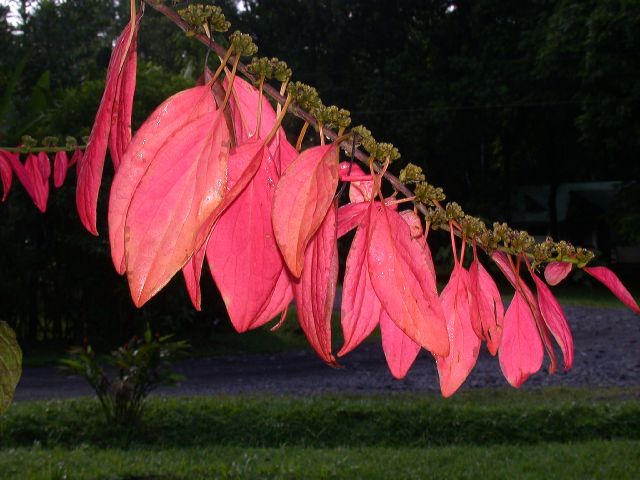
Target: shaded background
(525,111)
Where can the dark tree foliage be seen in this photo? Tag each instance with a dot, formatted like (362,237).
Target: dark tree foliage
(485,95)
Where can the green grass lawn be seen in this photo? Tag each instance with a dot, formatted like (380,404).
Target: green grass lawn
(552,433)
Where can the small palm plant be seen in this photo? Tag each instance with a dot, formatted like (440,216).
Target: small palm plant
(141,366)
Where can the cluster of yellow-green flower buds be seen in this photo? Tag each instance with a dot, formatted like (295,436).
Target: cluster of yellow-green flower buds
(268,68)
(50,141)
(378,150)
(472,227)
(428,194)
(70,142)
(411,174)
(242,44)
(332,116)
(305,96)
(198,15)
(27,141)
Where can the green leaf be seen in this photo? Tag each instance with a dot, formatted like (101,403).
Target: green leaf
(10,365)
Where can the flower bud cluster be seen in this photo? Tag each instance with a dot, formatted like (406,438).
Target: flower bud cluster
(304,95)
(268,68)
(472,227)
(332,116)
(70,142)
(242,44)
(411,174)
(428,194)
(27,141)
(198,15)
(379,150)
(50,141)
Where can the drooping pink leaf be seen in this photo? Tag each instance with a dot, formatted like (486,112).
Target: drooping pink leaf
(91,165)
(399,350)
(120,128)
(280,299)
(360,308)
(302,198)
(179,193)
(487,310)
(5,174)
(350,216)
(36,168)
(60,167)
(555,272)
(21,172)
(161,127)
(518,283)
(556,321)
(242,253)
(191,272)
(44,165)
(76,157)
(613,283)
(464,344)
(401,279)
(520,352)
(315,290)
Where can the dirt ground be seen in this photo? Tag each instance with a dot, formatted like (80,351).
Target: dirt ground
(607,346)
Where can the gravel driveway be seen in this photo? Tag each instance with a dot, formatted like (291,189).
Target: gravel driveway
(607,345)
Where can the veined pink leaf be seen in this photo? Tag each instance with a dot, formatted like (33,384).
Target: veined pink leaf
(555,272)
(285,154)
(360,308)
(21,172)
(315,291)
(92,163)
(401,280)
(487,310)
(76,157)
(5,174)
(464,345)
(120,129)
(613,283)
(350,216)
(161,127)
(60,167)
(399,350)
(520,351)
(556,321)
(192,272)
(179,193)
(302,198)
(503,264)
(280,299)
(44,165)
(35,168)
(242,253)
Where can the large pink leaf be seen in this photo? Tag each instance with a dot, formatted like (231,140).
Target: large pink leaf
(36,170)
(520,351)
(350,216)
(487,310)
(454,368)
(92,163)
(399,350)
(120,129)
(315,291)
(243,257)
(399,272)
(555,272)
(613,283)
(5,174)
(60,167)
(556,321)
(518,283)
(413,220)
(177,196)
(160,128)
(302,197)
(360,308)
(21,172)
